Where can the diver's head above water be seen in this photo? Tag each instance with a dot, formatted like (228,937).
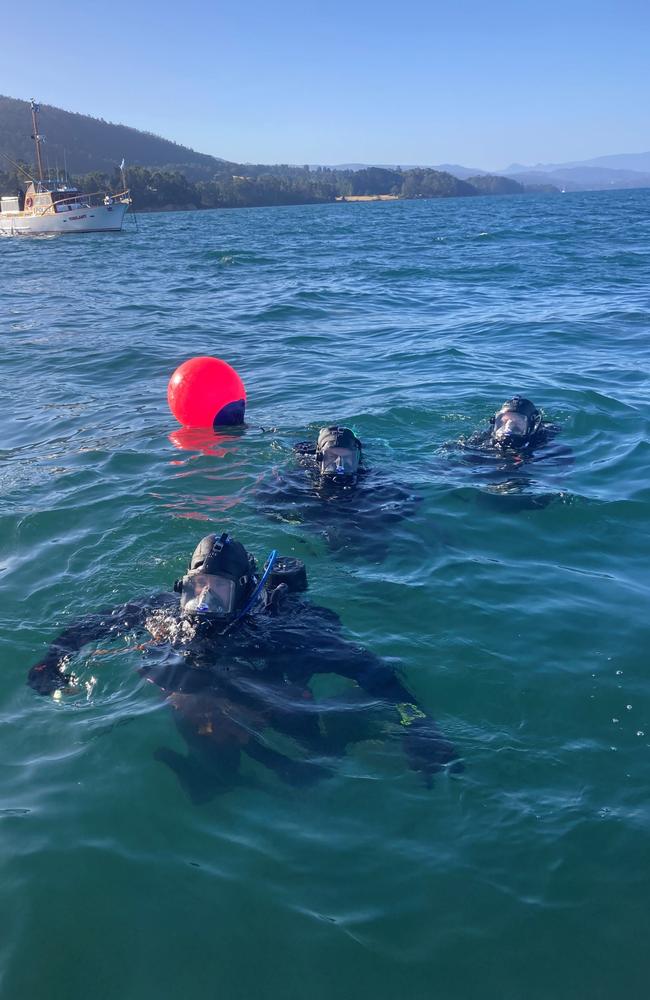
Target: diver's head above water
(219,581)
(338,454)
(515,424)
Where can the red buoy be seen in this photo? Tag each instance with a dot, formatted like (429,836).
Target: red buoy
(206,392)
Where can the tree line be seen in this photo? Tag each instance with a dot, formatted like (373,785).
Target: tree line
(241,185)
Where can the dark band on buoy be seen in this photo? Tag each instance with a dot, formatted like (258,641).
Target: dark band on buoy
(230,415)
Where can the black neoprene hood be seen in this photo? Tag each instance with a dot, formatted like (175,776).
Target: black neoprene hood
(519,404)
(337,437)
(220,554)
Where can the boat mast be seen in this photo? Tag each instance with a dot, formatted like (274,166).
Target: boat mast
(37,138)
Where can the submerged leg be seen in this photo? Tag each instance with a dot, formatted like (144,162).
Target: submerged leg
(294,772)
(199,782)
(301,724)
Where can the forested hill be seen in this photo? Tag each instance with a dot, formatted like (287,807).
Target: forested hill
(91,144)
(164,175)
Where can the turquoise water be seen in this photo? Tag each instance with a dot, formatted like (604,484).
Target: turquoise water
(523,629)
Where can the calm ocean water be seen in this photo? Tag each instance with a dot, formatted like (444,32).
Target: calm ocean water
(521,628)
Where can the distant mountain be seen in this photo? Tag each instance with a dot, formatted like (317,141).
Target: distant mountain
(462,172)
(621,161)
(584,178)
(621,170)
(624,170)
(636,162)
(367,166)
(91,143)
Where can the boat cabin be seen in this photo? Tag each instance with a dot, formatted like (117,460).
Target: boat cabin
(40,200)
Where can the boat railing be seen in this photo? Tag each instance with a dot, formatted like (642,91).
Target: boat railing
(84,199)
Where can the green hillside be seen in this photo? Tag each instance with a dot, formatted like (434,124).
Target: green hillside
(163,175)
(91,144)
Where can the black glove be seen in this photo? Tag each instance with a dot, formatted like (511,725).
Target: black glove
(46,678)
(428,751)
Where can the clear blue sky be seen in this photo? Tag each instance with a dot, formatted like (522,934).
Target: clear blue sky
(478,82)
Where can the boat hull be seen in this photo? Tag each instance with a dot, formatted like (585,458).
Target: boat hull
(85,219)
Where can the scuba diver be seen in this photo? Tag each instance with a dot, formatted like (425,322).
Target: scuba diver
(517,426)
(336,494)
(233,653)
(503,455)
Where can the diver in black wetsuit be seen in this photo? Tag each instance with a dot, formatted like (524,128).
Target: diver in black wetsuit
(507,455)
(230,668)
(335,493)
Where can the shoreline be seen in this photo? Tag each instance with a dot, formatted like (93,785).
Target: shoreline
(342,200)
(369,197)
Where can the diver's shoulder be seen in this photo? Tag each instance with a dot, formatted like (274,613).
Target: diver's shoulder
(475,449)
(477,441)
(547,432)
(296,609)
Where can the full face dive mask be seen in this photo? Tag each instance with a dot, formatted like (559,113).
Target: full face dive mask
(219,578)
(338,453)
(516,423)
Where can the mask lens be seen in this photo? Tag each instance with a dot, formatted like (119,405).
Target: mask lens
(205,594)
(508,423)
(339,461)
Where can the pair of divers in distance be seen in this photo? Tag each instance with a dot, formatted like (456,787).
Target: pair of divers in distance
(234,650)
(354,506)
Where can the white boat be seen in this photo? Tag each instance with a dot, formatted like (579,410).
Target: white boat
(53,207)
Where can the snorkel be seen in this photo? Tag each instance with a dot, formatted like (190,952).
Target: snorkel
(256,593)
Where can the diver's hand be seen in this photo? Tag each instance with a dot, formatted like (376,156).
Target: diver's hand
(428,751)
(46,678)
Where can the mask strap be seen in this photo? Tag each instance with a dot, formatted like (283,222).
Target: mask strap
(536,422)
(256,593)
(220,542)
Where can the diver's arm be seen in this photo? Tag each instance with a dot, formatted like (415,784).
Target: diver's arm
(425,746)
(394,502)
(49,675)
(554,455)
(308,641)
(283,495)
(316,647)
(371,673)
